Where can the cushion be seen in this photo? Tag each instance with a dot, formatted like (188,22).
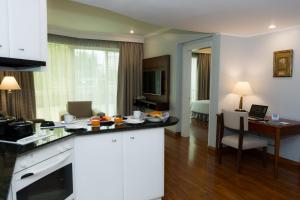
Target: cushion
(232,119)
(249,141)
(80,109)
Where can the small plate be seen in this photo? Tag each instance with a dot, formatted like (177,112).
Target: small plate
(154,119)
(63,122)
(75,126)
(134,121)
(102,123)
(106,123)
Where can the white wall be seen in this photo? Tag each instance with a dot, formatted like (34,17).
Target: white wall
(232,61)
(170,43)
(282,95)
(251,59)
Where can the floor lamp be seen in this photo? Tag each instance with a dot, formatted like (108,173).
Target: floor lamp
(9,83)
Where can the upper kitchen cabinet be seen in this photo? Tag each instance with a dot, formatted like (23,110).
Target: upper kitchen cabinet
(23,33)
(27,29)
(4,44)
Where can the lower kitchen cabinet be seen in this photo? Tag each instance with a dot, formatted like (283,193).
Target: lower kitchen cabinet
(143,164)
(126,165)
(10,195)
(98,167)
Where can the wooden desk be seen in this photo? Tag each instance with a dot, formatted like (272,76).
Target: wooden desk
(273,131)
(276,132)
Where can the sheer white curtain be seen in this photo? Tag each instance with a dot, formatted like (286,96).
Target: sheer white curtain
(77,70)
(194,78)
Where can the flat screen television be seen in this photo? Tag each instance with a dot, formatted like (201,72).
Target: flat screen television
(153,82)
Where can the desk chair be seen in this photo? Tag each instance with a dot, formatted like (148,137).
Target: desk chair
(241,140)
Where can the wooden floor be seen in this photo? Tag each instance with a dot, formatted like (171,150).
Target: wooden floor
(191,173)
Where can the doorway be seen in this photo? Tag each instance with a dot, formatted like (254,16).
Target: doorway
(199,96)
(212,43)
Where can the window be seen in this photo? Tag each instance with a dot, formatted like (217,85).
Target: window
(77,73)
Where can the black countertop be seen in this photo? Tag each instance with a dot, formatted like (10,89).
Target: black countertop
(9,152)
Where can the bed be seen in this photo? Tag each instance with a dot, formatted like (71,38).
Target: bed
(200,109)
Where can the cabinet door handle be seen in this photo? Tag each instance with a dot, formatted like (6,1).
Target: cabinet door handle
(0,45)
(132,138)
(21,49)
(114,140)
(27,175)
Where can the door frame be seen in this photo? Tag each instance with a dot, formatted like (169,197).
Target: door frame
(214,43)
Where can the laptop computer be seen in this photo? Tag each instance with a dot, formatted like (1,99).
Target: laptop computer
(257,112)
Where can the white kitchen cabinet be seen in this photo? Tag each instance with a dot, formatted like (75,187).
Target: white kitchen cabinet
(99,167)
(127,165)
(143,152)
(27,29)
(9,194)
(4,44)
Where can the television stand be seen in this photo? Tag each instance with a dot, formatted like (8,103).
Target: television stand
(143,104)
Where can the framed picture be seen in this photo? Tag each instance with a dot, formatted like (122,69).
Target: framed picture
(283,63)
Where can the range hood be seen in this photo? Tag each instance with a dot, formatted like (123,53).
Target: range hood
(15,63)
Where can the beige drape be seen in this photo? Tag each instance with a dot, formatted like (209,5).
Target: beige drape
(129,76)
(203,64)
(23,101)
(78,70)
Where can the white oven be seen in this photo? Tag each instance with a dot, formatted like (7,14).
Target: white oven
(49,179)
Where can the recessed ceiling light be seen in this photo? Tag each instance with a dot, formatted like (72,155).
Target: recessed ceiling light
(272,26)
(132,31)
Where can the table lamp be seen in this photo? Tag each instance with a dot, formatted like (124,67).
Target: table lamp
(242,89)
(9,83)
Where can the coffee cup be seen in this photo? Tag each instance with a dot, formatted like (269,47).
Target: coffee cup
(138,114)
(69,118)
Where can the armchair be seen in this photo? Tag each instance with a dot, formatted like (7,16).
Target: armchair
(80,109)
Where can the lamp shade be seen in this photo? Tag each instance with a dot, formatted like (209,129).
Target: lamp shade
(9,83)
(243,89)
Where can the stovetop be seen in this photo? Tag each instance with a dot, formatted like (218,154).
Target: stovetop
(26,140)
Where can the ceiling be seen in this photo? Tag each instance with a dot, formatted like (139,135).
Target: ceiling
(75,17)
(237,17)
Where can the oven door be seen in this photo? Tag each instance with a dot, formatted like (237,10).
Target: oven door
(51,179)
